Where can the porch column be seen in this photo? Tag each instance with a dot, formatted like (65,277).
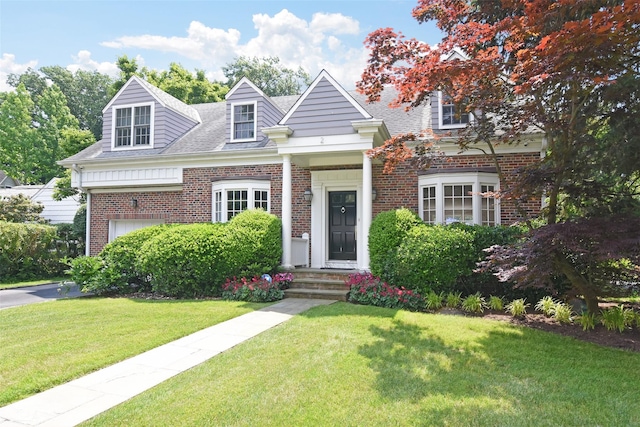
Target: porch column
(367,207)
(286,211)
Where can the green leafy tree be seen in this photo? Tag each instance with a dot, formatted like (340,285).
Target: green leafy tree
(86,93)
(185,86)
(31,127)
(268,74)
(20,208)
(178,82)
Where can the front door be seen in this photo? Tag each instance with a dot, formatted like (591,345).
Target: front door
(342,225)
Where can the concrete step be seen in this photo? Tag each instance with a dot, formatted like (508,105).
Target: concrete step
(316,294)
(321,273)
(315,283)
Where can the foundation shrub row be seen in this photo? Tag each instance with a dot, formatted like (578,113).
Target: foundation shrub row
(191,260)
(435,258)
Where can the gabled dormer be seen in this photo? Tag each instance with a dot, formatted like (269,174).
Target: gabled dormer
(248,111)
(445,114)
(141,116)
(324,109)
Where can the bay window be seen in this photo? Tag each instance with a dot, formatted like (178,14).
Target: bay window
(230,197)
(446,198)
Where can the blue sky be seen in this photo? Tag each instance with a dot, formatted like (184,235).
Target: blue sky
(204,34)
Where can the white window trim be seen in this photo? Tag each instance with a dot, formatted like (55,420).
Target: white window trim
(250,185)
(475,179)
(440,116)
(255,121)
(113,126)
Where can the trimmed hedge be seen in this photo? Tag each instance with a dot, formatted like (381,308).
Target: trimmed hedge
(196,259)
(406,252)
(432,257)
(388,230)
(119,273)
(28,251)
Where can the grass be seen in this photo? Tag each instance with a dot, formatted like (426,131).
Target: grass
(353,365)
(11,285)
(44,345)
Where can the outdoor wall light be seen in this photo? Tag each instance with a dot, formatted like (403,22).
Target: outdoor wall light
(308,195)
(374,194)
(134,203)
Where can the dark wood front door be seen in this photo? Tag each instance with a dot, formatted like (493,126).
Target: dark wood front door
(342,225)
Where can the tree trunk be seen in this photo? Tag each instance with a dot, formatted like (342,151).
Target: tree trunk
(579,284)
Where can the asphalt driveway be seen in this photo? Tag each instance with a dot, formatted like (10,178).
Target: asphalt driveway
(32,294)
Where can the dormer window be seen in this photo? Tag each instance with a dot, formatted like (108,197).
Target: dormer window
(243,122)
(133,126)
(452,115)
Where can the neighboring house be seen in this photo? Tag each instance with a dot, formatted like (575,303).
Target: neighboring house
(55,212)
(7,181)
(302,158)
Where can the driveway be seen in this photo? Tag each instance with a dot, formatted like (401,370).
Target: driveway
(32,294)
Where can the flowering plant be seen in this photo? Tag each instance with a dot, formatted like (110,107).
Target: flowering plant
(283,280)
(256,289)
(365,288)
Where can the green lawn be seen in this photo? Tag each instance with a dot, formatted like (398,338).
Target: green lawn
(13,284)
(44,345)
(349,365)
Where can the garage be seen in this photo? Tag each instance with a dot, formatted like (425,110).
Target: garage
(123,226)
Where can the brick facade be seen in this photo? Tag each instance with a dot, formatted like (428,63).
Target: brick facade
(194,202)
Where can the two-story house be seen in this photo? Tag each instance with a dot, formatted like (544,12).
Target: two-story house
(302,158)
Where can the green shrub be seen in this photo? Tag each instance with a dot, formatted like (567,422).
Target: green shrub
(474,303)
(517,307)
(433,301)
(259,235)
(547,306)
(614,318)
(562,313)
(388,230)
(196,259)
(432,257)
(189,260)
(28,251)
(85,272)
(255,290)
(496,303)
(587,321)
(121,274)
(453,299)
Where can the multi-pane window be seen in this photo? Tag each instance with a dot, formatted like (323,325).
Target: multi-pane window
(232,197)
(244,123)
(142,125)
(451,114)
(132,126)
(459,197)
(237,201)
(458,203)
(488,205)
(429,204)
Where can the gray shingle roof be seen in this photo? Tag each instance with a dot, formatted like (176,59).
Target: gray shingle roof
(209,135)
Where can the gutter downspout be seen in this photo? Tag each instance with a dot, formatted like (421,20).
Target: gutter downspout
(87,233)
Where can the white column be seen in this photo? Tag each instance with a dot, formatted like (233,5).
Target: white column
(286,211)
(87,234)
(367,207)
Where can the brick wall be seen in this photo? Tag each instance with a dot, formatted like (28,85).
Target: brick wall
(193,203)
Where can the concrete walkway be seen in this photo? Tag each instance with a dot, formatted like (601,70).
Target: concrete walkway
(81,399)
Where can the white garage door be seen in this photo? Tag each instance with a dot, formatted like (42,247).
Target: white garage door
(123,226)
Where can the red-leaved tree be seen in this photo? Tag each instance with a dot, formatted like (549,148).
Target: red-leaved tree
(552,66)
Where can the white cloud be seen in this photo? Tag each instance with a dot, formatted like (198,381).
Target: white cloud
(84,62)
(8,66)
(315,45)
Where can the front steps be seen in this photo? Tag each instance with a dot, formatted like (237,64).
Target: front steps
(318,283)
